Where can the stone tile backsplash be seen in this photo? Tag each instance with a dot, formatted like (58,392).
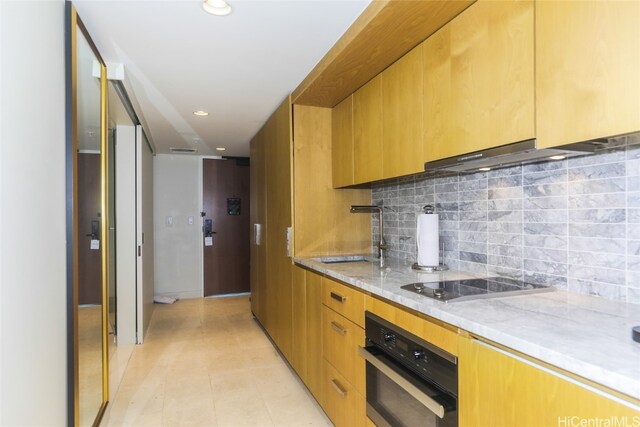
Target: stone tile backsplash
(572,224)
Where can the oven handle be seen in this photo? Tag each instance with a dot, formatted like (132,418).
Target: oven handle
(414,391)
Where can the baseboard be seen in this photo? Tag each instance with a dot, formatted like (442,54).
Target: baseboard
(196,293)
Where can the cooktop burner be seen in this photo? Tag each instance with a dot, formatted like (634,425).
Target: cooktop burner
(468,289)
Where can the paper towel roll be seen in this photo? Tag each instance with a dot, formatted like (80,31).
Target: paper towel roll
(428,239)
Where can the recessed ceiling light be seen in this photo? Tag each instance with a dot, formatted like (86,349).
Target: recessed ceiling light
(484,169)
(200,113)
(216,7)
(558,157)
(220,149)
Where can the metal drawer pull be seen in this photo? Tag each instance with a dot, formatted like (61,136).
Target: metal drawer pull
(338,297)
(414,391)
(338,327)
(336,385)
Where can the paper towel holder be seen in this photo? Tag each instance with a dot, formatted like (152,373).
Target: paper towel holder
(428,209)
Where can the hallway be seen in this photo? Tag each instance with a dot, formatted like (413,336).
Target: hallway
(206,362)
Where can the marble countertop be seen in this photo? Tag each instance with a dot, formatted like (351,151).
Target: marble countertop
(584,335)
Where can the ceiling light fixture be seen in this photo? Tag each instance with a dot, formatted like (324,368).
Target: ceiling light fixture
(200,113)
(220,149)
(484,169)
(558,157)
(216,7)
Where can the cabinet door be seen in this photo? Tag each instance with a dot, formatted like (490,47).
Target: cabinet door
(342,143)
(278,218)
(314,336)
(478,79)
(257,214)
(587,68)
(299,342)
(402,116)
(367,132)
(498,389)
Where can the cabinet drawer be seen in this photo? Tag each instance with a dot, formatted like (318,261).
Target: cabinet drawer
(343,404)
(344,300)
(341,339)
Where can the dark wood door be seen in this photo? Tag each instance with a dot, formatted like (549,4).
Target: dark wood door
(225,189)
(89,260)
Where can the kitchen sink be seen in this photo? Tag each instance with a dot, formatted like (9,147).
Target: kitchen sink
(341,258)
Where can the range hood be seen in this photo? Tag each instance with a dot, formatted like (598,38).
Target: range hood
(518,153)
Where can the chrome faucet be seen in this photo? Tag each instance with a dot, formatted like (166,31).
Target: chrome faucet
(382,245)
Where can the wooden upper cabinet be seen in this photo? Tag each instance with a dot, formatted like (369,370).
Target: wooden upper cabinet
(587,70)
(402,116)
(342,143)
(367,132)
(479,79)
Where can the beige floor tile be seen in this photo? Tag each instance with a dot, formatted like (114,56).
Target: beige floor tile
(136,406)
(207,362)
(189,401)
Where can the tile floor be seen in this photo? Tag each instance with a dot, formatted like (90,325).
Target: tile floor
(206,362)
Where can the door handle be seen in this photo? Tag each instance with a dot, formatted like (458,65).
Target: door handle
(337,387)
(338,297)
(95,230)
(414,391)
(338,327)
(208,228)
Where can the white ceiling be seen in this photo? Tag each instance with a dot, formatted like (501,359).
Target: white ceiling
(239,68)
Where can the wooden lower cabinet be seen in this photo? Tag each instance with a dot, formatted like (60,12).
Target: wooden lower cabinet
(344,300)
(500,389)
(342,402)
(299,330)
(313,297)
(341,339)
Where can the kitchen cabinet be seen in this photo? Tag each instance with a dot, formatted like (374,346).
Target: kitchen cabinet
(306,358)
(500,389)
(299,331)
(341,339)
(343,383)
(342,143)
(278,199)
(271,209)
(315,361)
(258,215)
(587,68)
(343,404)
(367,132)
(323,224)
(346,301)
(479,79)
(402,116)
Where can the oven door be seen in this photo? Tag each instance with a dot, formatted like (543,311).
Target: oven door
(398,397)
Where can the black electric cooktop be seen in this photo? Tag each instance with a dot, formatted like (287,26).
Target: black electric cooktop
(470,289)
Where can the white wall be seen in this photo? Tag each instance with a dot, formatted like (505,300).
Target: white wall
(177,247)
(32,205)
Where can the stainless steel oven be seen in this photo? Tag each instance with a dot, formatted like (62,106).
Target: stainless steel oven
(410,382)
